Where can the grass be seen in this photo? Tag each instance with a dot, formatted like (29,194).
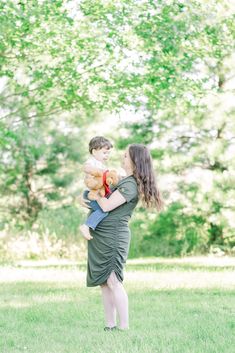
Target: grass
(176,306)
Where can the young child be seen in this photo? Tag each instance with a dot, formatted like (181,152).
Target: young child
(99,148)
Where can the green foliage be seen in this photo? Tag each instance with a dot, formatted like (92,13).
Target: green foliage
(54,234)
(171,233)
(187,120)
(35,169)
(63,222)
(171,63)
(175,232)
(54,70)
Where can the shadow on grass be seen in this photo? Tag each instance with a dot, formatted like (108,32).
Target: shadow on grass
(144,267)
(176,266)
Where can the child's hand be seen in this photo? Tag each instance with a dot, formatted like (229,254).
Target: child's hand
(82,202)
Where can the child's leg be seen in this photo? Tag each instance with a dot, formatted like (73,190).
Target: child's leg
(95,218)
(84,229)
(92,203)
(85,198)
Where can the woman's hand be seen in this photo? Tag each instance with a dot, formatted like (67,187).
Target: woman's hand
(114,201)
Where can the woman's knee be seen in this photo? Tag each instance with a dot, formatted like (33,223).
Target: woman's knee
(112,281)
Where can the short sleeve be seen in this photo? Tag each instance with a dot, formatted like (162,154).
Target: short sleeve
(128,189)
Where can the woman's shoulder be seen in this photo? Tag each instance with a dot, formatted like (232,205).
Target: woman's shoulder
(128,183)
(128,188)
(127,180)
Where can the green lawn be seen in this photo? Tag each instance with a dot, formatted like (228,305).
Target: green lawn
(176,306)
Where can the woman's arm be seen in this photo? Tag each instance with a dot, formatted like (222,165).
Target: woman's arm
(114,201)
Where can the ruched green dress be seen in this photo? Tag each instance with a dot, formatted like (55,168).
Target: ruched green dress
(108,250)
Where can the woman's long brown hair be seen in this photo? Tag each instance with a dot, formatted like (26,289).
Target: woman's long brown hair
(145,177)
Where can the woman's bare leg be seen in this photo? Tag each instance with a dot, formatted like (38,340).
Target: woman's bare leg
(120,299)
(109,306)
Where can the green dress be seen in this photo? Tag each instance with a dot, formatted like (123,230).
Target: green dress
(108,250)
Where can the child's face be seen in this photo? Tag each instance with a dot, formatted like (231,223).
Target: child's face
(101,155)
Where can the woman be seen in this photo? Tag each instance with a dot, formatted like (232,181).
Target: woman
(108,250)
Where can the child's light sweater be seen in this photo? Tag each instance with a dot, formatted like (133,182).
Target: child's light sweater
(93,162)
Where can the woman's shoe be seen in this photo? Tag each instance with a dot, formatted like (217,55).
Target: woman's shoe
(110,328)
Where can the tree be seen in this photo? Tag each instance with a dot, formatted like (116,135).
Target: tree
(63,62)
(55,64)
(189,120)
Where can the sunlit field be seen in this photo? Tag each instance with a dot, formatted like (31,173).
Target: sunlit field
(176,305)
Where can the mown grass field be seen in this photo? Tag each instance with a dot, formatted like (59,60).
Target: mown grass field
(176,306)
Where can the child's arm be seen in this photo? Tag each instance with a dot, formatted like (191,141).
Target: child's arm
(115,200)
